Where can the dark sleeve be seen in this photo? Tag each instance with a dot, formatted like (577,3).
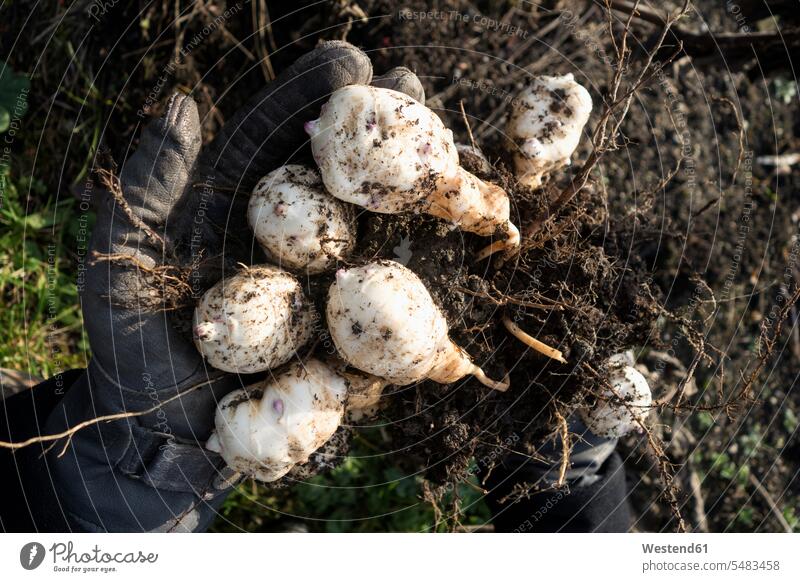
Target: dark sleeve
(595,505)
(27,499)
(112,476)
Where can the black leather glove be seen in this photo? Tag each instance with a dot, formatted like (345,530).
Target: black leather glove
(151,472)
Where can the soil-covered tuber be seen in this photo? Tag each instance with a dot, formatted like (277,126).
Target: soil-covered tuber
(388,153)
(383,321)
(545,124)
(268,428)
(297,223)
(624,407)
(253,321)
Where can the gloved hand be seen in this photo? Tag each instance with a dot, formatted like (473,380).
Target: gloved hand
(151,472)
(595,498)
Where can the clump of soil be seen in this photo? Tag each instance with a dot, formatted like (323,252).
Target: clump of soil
(573,286)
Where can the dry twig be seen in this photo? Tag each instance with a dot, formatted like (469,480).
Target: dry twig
(615,107)
(70,432)
(466,123)
(666,473)
(773,507)
(110,182)
(566,448)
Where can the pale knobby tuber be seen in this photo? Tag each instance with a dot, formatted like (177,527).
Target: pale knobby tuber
(383,321)
(253,321)
(545,123)
(388,153)
(297,223)
(268,428)
(626,406)
(364,391)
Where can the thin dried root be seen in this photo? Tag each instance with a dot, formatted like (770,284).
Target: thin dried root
(509,245)
(481,377)
(563,431)
(70,432)
(532,342)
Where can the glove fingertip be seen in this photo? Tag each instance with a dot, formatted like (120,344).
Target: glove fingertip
(181,124)
(404,80)
(330,66)
(257,138)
